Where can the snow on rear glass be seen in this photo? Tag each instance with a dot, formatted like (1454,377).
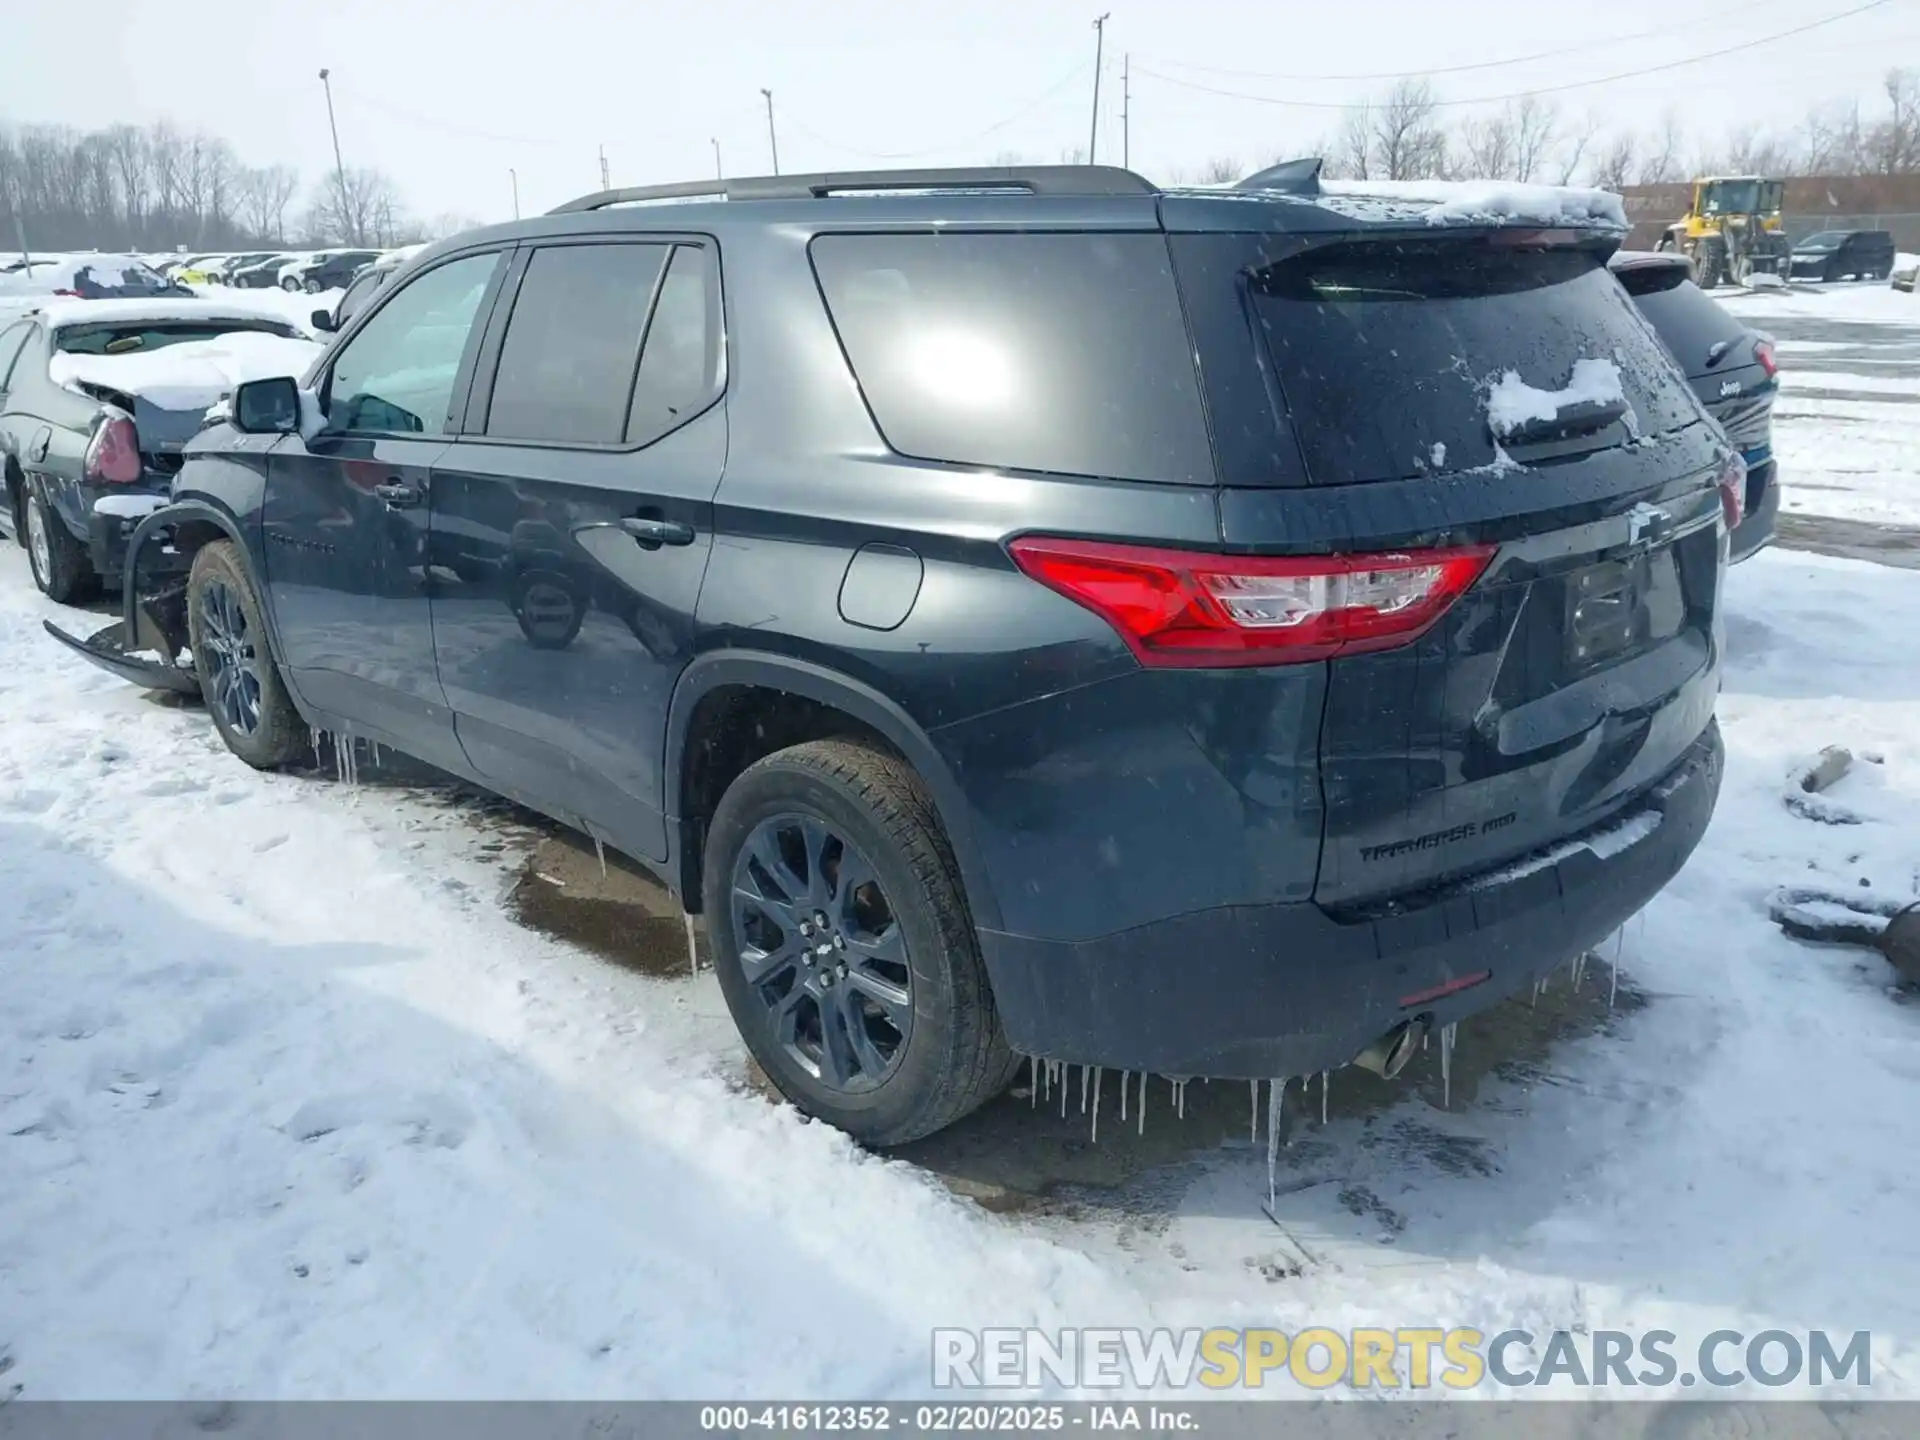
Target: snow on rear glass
(1387,354)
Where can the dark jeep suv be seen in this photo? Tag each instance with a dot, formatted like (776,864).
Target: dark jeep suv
(1027,612)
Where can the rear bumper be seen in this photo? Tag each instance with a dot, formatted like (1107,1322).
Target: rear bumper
(1287,989)
(1755,530)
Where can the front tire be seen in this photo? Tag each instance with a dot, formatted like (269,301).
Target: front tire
(312,286)
(290,285)
(238,679)
(61,566)
(844,946)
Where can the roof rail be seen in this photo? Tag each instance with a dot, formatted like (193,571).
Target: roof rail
(1082,180)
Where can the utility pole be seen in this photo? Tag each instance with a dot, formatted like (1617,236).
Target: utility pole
(1099,44)
(514,176)
(773,142)
(606,175)
(1126,111)
(719,170)
(20,231)
(349,214)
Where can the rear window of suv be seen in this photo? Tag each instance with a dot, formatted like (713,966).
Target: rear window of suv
(1380,355)
(1687,319)
(1026,351)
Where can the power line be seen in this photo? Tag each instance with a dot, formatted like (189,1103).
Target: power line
(1540,90)
(1581,49)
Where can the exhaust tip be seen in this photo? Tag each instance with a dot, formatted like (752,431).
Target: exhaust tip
(1388,1056)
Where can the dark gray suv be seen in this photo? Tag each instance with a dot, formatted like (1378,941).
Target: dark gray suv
(1026,612)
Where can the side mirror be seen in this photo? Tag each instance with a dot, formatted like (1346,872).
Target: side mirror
(323,321)
(267,407)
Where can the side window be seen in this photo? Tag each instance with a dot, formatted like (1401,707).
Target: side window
(358,293)
(571,348)
(397,374)
(680,366)
(1023,351)
(11,342)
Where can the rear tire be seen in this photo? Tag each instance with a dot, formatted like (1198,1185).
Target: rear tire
(290,285)
(882,1022)
(226,627)
(311,286)
(61,566)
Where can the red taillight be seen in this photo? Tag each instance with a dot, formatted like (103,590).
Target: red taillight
(113,455)
(1763,352)
(1733,491)
(1181,607)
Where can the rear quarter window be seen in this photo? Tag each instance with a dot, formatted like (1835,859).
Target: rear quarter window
(1052,352)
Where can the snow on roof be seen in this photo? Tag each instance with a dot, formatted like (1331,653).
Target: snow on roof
(107,270)
(1468,201)
(61,313)
(192,374)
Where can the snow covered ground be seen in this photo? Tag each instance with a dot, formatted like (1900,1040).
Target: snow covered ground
(289,1106)
(1847,424)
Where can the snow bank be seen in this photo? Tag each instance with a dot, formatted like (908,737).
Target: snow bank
(1512,403)
(191,375)
(1468,201)
(61,313)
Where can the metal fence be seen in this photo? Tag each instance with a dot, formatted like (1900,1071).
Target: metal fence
(1905,227)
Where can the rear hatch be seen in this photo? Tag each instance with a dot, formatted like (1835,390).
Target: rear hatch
(1420,390)
(1729,366)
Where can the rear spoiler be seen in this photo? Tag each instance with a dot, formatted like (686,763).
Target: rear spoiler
(1642,272)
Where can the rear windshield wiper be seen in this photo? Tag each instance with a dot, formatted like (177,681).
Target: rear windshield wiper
(1717,352)
(1583,418)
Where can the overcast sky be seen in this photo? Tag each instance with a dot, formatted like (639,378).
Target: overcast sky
(446,97)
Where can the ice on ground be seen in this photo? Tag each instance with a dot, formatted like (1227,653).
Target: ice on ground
(1512,403)
(1467,201)
(192,374)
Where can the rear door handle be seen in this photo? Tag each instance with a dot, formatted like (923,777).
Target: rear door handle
(397,495)
(651,532)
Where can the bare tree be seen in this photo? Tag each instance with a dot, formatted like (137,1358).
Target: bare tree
(1660,162)
(1832,141)
(1894,143)
(1407,143)
(1351,155)
(1536,126)
(1220,171)
(1486,148)
(354,208)
(1613,167)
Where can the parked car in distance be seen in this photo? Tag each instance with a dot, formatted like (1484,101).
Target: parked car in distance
(361,289)
(1844,255)
(83,277)
(1905,268)
(327,270)
(196,270)
(97,399)
(1731,369)
(1048,616)
(261,274)
(219,269)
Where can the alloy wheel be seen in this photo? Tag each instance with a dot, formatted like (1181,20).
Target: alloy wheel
(821,948)
(233,659)
(39,543)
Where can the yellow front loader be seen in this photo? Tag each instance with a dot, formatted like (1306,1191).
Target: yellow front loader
(1732,230)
